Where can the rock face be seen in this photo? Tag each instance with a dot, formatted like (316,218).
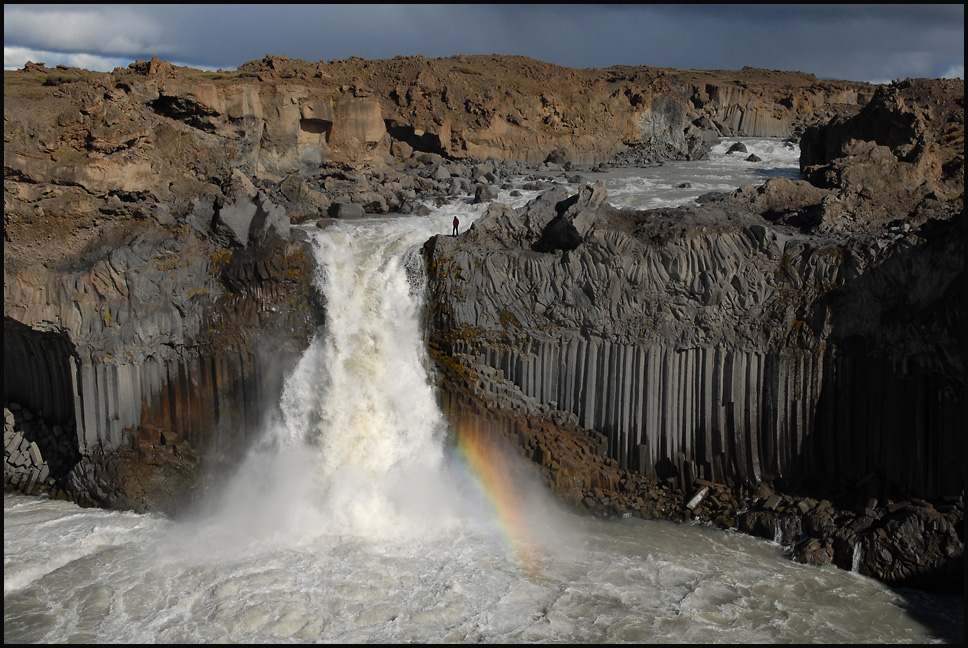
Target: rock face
(744,345)
(165,142)
(804,335)
(155,344)
(797,335)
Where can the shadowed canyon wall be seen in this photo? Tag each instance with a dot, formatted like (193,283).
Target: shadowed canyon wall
(728,354)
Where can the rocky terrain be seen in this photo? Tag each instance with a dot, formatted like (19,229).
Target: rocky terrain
(773,357)
(786,359)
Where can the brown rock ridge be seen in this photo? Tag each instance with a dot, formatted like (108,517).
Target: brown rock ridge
(166,143)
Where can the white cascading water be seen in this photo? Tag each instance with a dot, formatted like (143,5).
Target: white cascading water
(359,449)
(362,397)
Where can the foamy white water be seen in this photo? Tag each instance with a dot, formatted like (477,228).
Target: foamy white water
(361,400)
(73,575)
(354,520)
(680,183)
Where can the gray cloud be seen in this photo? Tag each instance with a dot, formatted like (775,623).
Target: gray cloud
(858,42)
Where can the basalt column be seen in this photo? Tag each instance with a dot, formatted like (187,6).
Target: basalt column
(40,442)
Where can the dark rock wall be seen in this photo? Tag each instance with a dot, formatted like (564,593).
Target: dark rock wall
(754,352)
(736,415)
(876,418)
(789,418)
(164,353)
(39,368)
(798,333)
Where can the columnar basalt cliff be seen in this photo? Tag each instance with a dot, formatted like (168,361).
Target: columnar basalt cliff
(156,291)
(806,335)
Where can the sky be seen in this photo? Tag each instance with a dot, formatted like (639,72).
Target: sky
(877,43)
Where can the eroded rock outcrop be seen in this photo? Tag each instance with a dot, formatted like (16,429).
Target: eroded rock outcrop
(774,336)
(158,345)
(154,139)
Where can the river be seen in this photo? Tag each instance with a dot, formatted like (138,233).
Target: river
(355,518)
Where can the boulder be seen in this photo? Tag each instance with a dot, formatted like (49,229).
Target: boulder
(575,219)
(345,210)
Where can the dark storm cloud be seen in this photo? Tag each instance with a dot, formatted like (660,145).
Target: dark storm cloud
(858,42)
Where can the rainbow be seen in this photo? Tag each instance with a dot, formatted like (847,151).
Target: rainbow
(496,484)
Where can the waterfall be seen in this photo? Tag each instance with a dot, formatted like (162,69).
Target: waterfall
(361,399)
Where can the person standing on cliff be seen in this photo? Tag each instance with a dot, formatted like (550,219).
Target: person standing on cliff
(456,224)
